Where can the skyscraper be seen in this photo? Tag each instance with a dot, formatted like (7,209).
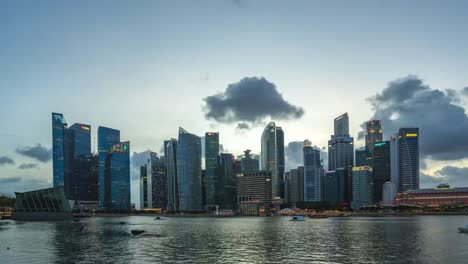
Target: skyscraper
(117,178)
(334,186)
(296,185)
(380,168)
(393,166)
(144,187)
(362,187)
(408,159)
(59,125)
(81,140)
(107,138)
(211,161)
(170,155)
(272,156)
(373,133)
(226,183)
(189,171)
(159,186)
(313,172)
(340,146)
(363,157)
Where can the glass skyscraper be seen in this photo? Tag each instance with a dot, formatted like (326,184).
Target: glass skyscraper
(59,126)
(81,139)
(226,184)
(373,133)
(362,187)
(340,146)
(380,168)
(272,156)
(117,178)
(107,137)
(211,161)
(408,159)
(189,171)
(296,185)
(170,155)
(363,157)
(313,172)
(158,181)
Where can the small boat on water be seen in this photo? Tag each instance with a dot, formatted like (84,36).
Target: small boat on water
(463,229)
(159,218)
(137,231)
(298,218)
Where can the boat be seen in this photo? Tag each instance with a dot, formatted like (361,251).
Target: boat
(463,229)
(137,231)
(298,218)
(159,218)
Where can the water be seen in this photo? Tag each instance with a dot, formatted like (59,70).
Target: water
(424,239)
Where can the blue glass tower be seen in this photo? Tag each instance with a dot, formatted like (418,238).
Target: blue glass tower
(189,171)
(117,178)
(59,126)
(211,156)
(82,140)
(170,156)
(313,172)
(107,137)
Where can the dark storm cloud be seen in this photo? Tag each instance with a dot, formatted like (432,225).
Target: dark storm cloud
(443,126)
(250,101)
(243,126)
(10,185)
(294,156)
(37,152)
(4,160)
(10,179)
(26,166)
(454,176)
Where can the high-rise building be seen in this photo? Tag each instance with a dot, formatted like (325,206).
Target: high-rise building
(380,168)
(363,157)
(84,181)
(394,165)
(272,156)
(226,183)
(159,186)
(59,125)
(189,171)
(107,138)
(362,187)
(388,197)
(341,145)
(373,133)
(81,140)
(408,159)
(117,178)
(254,186)
(211,162)
(334,186)
(170,155)
(313,172)
(145,187)
(296,185)
(249,162)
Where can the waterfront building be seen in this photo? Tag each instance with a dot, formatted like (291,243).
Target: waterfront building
(159,186)
(388,198)
(84,184)
(107,137)
(408,159)
(272,156)
(254,192)
(145,187)
(341,145)
(394,165)
(203,180)
(59,126)
(81,134)
(380,168)
(296,185)
(42,205)
(363,157)
(362,187)
(249,162)
(170,155)
(442,196)
(117,178)
(313,173)
(334,186)
(373,133)
(226,183)
(211,163)
(189,171)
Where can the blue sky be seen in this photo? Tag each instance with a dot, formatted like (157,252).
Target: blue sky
(144,67)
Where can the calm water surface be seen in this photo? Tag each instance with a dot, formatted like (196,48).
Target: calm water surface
(423,239)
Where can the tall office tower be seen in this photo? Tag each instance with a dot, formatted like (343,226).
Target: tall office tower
(313,172)
(394,166)
(408,159)
(59,126)
(362,187)
(83,183)
(158,181)
(373,133)
(107,137)
(203,183)
(273,156)
(81,139)
(117,178)
(254,186)
(189,171)
(334,186)
(144,187)
(249,162)
(296,185)
(340,146)
(388,197)
(363,157)
(380,167)
(226,183)
(170,155)
(211,161)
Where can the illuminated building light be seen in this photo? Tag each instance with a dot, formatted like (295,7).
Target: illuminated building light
(372,131)
(380,131)
(411,135)
(379,144)
(86,128)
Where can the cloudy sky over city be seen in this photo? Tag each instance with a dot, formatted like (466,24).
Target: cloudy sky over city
(148,67)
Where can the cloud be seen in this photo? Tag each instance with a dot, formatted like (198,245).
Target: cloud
(4,160)
(465,91)
(10,179)
(408,102)
(294,155)
(454,176)
(26,166)
(136,160)
(250,101)
(10,185)
(243,126)
(37,152)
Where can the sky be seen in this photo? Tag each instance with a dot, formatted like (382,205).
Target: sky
(148,67)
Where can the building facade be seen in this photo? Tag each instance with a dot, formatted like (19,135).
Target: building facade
(296,185)
(313,172)
(159,186)
(362,187)
(380,168)
(363,157)
(107,138)
(211,163)
(408,159)
(341,145)
(272,156)
(117,178)
(226,183)
(373,133)
(145,187)
(334,185)
(442,196)
(59,125)
(170,155)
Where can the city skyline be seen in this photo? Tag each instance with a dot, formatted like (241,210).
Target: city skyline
(137,93)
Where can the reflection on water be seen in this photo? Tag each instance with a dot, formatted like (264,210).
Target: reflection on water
(422,239)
